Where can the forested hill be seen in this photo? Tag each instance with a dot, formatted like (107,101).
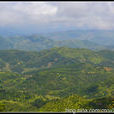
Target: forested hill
(40,81)
(38,42)
(18,60)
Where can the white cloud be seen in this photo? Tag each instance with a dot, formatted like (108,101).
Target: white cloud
(25,12)
(98,15)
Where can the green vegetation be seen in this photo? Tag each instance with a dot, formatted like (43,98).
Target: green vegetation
(75,102)
(56,79)
(38,43)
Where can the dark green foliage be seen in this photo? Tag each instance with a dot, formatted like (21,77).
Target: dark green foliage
(39,102)
(102,103)
(2,107)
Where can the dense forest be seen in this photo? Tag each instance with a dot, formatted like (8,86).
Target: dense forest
(56,79)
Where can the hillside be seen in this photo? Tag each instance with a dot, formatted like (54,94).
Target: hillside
(38,78)
(38,43)
(102,37)
(18,61)
(75,103)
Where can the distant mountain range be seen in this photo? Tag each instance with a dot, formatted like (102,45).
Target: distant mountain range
(95,40)
(102,37)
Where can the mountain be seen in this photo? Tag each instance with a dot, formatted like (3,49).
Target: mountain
(5,43)
(35,81)
(38,42)
(101,37)
(90,39)
(75,103)
(18,60)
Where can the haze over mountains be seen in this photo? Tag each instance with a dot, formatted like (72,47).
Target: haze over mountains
(103,37)
(41,71)
(74,39)
(56,56)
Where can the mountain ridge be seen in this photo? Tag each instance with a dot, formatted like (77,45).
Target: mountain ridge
(38,42)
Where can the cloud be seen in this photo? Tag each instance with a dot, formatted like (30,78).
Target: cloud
(25,12)
(98,15)
(93,15)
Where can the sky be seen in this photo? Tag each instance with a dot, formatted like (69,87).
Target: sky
(33,17)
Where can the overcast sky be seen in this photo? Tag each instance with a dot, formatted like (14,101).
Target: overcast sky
(57,15)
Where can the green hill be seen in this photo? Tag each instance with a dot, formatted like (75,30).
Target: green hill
(18,61)
(38,42)
(75,103)
(38,80)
